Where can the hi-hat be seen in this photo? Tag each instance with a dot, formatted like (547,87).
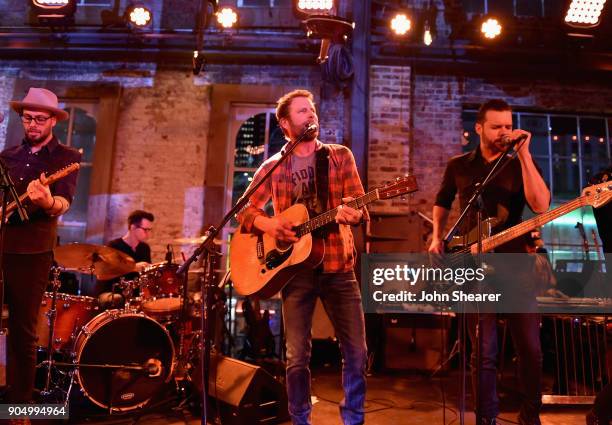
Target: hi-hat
(103,261)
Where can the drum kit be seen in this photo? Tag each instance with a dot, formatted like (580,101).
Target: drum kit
(120,358)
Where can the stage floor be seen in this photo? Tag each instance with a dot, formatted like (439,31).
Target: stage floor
(392,399)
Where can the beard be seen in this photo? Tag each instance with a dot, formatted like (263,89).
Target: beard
(297,130)
(36,137)
(495,145)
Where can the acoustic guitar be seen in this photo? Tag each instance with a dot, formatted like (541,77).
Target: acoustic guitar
(261,265)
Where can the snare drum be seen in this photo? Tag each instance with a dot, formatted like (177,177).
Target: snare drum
(72,313)
(161,291)
(115,338)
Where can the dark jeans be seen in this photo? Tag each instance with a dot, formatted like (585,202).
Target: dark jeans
(525,331)
(26,277)
(339,293)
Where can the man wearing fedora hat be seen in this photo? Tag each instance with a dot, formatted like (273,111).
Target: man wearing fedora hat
(28,246)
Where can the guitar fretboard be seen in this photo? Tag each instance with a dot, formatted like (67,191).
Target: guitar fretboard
(539,220)
(329,216)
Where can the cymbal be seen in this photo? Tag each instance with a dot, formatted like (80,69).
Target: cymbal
(105,262)
(195,241)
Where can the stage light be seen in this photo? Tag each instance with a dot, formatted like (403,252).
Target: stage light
(54,11)
(329,29)
(138,15)
(427,37)
(491,28)
(584,13)
(400,24)
(227,17)
(315,7)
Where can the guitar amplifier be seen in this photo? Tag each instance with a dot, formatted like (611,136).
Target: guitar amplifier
(395,233)
(415,342)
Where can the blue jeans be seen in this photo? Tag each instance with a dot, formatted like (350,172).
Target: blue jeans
(339,293)
(525,331)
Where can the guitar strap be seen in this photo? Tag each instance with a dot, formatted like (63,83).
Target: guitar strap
(322,182)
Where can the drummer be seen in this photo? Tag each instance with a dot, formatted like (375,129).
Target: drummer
(133,243)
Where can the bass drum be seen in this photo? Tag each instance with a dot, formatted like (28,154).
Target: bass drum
(133,340)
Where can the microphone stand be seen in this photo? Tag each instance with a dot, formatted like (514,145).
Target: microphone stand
(7,186)
(207,248)
(476,202)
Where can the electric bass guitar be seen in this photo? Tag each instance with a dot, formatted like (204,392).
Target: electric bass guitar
(595,196)
(261,265)
(60,174)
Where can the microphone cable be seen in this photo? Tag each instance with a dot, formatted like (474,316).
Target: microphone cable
(339,68)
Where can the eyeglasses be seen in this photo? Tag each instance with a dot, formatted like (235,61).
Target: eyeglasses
(39,119)
(146,229)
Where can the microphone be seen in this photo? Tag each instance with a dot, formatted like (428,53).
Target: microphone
(508,142)
(311,128)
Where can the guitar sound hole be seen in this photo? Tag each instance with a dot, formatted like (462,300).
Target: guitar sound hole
(283,246)
(276,258)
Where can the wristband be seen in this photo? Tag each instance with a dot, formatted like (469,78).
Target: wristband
(52,205)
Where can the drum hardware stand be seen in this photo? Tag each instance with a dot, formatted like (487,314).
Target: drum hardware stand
(51,316)
(207,248)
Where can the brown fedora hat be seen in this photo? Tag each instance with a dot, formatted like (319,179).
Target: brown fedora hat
(38,98)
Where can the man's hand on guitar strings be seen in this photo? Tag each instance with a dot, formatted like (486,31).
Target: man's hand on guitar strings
(278,227)
(348,215)
(40,194)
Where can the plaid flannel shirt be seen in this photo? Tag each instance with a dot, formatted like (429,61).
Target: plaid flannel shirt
(344,181)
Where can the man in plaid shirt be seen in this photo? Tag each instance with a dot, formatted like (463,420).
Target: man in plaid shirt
(298,180)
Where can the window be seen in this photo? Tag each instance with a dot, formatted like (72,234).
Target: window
(97,3)
(258,137)
(79,131)
(569,149)
(263,3)
(539,8)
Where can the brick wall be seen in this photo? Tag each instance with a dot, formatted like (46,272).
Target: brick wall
(437,103)
(161,139)
(389,147)
(160,151)
(159,155)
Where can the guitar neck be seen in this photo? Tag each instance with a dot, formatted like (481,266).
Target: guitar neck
(329,216)
(24,196)
(520,229)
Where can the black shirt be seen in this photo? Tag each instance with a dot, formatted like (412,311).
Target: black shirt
(141,253)
(39,234)
(503,198)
